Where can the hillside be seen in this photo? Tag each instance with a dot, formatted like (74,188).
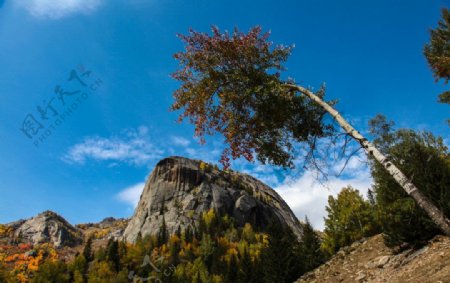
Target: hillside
(196,222)
(369,260)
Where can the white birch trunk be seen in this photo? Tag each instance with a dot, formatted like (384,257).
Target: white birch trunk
(433,212)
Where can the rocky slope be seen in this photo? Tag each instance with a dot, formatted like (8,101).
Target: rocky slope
(369,260)
(47,227)
(179,190)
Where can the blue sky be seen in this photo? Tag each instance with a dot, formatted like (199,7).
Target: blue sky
(93,163)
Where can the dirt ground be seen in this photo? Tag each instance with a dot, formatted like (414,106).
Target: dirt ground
(369,260)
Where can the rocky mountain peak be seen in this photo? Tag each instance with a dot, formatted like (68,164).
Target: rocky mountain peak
(48,227)
(179,190)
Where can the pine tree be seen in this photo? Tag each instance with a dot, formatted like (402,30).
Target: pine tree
(437,52)
(162,234)
(87,251)
(427,160)
(112,254)
(178,232)
(233,270)
(207,248)
(258,270)
(282,245)
(311,254)
(246,268)
(371,197)
(201,229)
(175,247)
(188,234)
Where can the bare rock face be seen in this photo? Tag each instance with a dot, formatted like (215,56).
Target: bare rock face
(179,190)
(48,227)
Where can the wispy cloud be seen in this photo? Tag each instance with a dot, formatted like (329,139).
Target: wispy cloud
(132,147)
(209,154)
(55,9)
(180,141)
(131,195)
(264,173)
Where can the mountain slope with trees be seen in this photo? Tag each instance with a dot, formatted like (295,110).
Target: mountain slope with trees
(201,224)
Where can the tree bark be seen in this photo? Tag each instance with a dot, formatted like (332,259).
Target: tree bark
(433,212)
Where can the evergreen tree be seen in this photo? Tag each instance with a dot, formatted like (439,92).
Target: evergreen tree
(201,229)
(311,255)
(188,234)
(281,257)
(258,270)
(112,254)
(162,234)
(246,268)
(100,255)
(175,247)
(87,251)
(437,52)
(233,270)
(427,161)
(207,249)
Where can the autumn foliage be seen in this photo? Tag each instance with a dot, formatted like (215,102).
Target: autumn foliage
(212,250)
(231,84)
(24,259)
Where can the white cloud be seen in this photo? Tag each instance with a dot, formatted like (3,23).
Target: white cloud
(191,152)
(132,194)
(180,141)
(207,154)
(307,196)
(133,147)
(55,9)
(447,142)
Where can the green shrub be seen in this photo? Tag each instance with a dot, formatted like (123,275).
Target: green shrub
(350,218)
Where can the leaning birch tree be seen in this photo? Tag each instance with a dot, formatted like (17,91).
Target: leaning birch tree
(231,84)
